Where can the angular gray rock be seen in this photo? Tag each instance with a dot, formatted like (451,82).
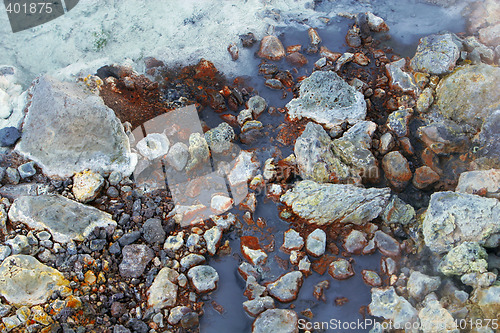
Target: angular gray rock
(65,219)
(453,218)
(68,130)
(163,291)
(258,305)
(316,243)
(389,305)
(327,99)
(286,287)
(420,285)
(330,203)
(135,259)
(276,321)
(436,54)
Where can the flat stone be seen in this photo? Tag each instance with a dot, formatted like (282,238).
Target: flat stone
(316,243)
(469,95)
(436,54)
(245,167)
(453,218)
(27,170)
(286,287)
(258,305)
(65,219)
(389,305)
(341,269)
(68,130)
(329,203)
(204,278)
(153,146)
(9,136)
(87,185)
(163,291)
(271,48)
(26,281)
(135,259)
(327,99)
(276,321)
(468,257)
(387,245)
(252,251)
(420,285)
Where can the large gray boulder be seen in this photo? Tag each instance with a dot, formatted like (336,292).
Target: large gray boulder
(65,219)
(327,99)
(469,95)
(331,203)
(68,130)
(436,54)
(453,218)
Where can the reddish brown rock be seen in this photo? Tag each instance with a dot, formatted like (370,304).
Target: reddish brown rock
(424,176)
(293,48)
(332,56)
(233,51)
(361,59)
(397,169)
(271,48)
(252,251)
(296,59)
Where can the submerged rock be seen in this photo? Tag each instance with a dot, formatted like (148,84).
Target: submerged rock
(26,281)
(453,218)
(436,54)
(327,99)
(469,95)
(341,269)
(276,321)
(65,219)
(271,48)
(332,203)
(68,130)
(286,288)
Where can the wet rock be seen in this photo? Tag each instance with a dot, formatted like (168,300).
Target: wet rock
(420,285)
(253,289)
(326,53)
(436,54)
(65,219)
(296,59)
(258,305)
(27,170)
(257,105)
(68,130)
(453,218)
(352,38)
(473,181)
(286,288)
(355,242)
(220,138)
(401,80)
(274,84)
(244,116)
(252,251)
(276,320)
(398,121)
(371,278)
(425,100)
(316,243)
(251,125)
(397,170)
(233,51)
(376,24)
(398,212)
(26,281)
(341,269)
(489,301)
(271,48)
(387,245)
(177,156)
(9,136)
(469,94)
(436,318)
(424,177)
(315,158)
(152,231)
(153,146)
(444,137)
(330,203)
(135,259)
(212,238)
(361,59)
(327,99)
(224,222)
(190,320)
(292,241)
(389,305)
(386,143)
(163,291)
(344,59)
(204,278)
(248,39)
(246,270)
(244,169)
(468,257)
(87,185)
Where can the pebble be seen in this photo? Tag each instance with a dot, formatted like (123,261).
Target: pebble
(397,169)
(19,244)
(190,320)
(420,285)
(352,37)
(204,278)
(12,176)
(253,289)
(387,245)
(112,192)
(398,122)
(152,231)
(246,270)
(341,269)
(258,305)
(424,177)
(233,51)
(316,243)
(221,204)
(163,291)
(191,260)
(154,145)
(27,170)
(212,238)
(274,84)
(248,39)
(271,48)
(177,156)
(371,278)
(355,242)
(115,178)
(9,136)
(296,59)
(257,105)
(175,242)
(292,241)
(276,320)
(251,250)
(87,185)
(135,259)
(129,238)
(361,59)
(286,287)
(386,143)
(176,314)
